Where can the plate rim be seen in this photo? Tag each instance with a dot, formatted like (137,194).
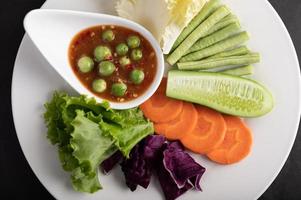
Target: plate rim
(293,138)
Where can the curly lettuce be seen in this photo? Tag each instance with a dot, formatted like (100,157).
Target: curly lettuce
(86,133)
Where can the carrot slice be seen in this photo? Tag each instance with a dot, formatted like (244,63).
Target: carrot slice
(160,108)
(208,133)
(180,126)
(236,145)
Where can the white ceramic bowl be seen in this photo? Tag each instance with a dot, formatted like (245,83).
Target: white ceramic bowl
(52,31)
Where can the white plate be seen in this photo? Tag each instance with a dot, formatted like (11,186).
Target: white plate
(34,80)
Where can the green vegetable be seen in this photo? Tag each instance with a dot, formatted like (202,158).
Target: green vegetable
(230,19)
(207,10)
(90,146)
(215,37)
(124,61)
(108,36)
(87,132)
(217,48)
(106,68)
(137,76)
(62,120)
(136,54)
(102,53)
(85,64)
(228,94)
(129,129)
(122,49)
(238,71)
(243,50)
(99,85)
(133,42)
(198,33)
(220,62)
(118,89)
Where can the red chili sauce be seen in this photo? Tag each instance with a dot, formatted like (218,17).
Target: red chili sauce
(84,43)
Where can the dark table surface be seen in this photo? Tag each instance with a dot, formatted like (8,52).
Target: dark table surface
(17,180)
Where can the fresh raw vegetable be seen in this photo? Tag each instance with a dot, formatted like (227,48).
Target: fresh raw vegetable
(176,170)
(108,164)
(197,33)
(182,124)
(129,128)
(239,71)
(229,19)
(160,108)
(153,108)
(215,37)
(87,132)
(236,145)
(243,50)
(228,94)
(219,47)
(138,168)
(208,133)
(90,147)
(207,10)
(174,160)
(211,63)
(164,19)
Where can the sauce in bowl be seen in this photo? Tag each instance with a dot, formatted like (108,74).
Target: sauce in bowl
(113,62)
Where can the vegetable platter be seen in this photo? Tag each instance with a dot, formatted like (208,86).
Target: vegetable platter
(220,54)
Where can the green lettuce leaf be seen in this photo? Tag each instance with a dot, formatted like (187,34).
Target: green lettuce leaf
(54,120)
(129,128)
(90,148)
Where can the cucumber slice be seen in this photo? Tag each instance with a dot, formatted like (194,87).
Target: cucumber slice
(228,94)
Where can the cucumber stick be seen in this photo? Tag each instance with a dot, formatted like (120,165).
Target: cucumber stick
(211,63)
(230,19)
(207,10)
(243,50)
(215,37)
(239,71)
(218,47)
(225,93)
(199,32)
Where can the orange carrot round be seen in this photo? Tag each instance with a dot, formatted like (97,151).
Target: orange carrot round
(236,145)
(180,126)
(208,133)
(160,108)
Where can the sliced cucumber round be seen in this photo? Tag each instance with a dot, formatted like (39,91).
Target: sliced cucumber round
(225,93)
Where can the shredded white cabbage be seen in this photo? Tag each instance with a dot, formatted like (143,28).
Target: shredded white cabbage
(165,19)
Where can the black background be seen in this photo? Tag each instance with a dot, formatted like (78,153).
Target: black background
(17,180)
